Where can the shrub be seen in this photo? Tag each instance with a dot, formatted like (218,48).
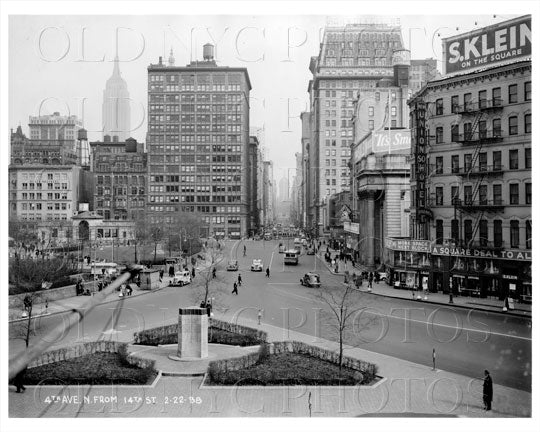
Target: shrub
(224,337)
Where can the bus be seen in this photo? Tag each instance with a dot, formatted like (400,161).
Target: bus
(291,257)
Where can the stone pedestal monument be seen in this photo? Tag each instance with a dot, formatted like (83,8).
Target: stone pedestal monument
(192,334)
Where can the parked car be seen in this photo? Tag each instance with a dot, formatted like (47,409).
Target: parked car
(311,280)
(311,251)
(256,265)
(181,278)
(232,266)
(382,276)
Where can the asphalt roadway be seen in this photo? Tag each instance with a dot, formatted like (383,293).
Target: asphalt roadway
(465,341)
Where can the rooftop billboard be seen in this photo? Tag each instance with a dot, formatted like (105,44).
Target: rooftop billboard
(488,46)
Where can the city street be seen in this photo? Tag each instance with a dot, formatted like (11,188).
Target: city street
(466,342)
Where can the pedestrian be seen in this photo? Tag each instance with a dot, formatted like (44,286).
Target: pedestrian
(267,272)
(202,305)
(19,381)
(161,272)
(208,308)
(239,279)
(171,271)
(214,273)
(244,250)
(193,272)
(488,390)
(235,289)
(370,280)
(259,316)
(129,290)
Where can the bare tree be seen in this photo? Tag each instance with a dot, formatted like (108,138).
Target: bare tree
(344,305)
(212,282)
(29,278)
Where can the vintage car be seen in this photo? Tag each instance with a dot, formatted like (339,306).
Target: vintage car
(256,265)
(181,278)
(311,280)
(232,266)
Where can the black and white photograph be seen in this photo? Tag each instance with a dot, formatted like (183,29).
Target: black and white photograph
(227,215)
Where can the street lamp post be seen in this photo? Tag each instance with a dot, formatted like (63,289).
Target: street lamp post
(98,235)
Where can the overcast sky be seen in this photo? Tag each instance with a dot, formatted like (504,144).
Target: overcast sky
(61,63)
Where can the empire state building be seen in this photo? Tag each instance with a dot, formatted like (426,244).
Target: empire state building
(116,106)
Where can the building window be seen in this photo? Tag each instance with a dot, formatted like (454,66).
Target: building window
(455,164)
(394,111)
(454,193)
(528,126)
(514,193)
(497,233)
(482,161)
(496,96)
(393,123)
(439,232)
(467,228)
(439,109)
(514,234)
(528,193)
(528,161)
(371,124)
(483,232)
(467,97)
(497,194)
(512,93)
(496,124)
(439,135)
(527,94)
(513,158)
(482,129)
(497,160)
(528,234)
(513,125)
(467,131)
(455,104)
(371,111)
(482,195)
(439,196)
(467,192)
(439,165)
(455,230)
(482,99)
(467,160)
(455,133)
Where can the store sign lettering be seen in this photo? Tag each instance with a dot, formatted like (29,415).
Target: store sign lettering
(493,44)
(481,253)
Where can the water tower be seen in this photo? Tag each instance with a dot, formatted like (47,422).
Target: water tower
(208,52)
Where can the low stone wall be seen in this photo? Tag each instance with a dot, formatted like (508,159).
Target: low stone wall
(89,348)
(167,333)
(16,300)
(233,364)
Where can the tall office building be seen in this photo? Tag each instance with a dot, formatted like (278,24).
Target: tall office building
(421,72)
(116,111)
(351,57)
(198,138)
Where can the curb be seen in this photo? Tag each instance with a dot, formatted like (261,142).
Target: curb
(500,312)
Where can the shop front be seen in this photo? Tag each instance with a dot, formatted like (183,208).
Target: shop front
(351,231)
(407,263)
(482,273)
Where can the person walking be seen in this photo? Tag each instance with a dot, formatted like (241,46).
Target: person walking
(161,272)
(488,390)
(19,381)
(244,250)
(235,289)
(171,271)
(267,272)
(214,273)
(370,280)
(192,272)
(239,280)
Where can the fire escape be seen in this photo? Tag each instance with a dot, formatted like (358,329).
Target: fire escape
(475,170)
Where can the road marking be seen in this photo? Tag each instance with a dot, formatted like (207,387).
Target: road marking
(281,283)
(418,321)
(271,259)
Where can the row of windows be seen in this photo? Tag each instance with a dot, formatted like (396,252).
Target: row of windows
(482,161)
(479,195)
(344,152)
(120,179)
(344,132)
(482,129)
(48,216)
(332,162)
(482,101)
(344,143)
(38,196)
(199,138)
(119,191)
(484,239)
(332,182)
(39,186)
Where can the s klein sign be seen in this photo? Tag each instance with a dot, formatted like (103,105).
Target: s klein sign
(503,42)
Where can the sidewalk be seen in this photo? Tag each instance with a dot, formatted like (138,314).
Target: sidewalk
(383,289)
(406,389)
